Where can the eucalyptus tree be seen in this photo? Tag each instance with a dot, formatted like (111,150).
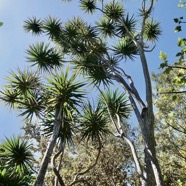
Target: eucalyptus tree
(170,115)
(170,119)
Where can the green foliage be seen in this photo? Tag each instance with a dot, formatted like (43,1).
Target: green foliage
(16,154)
(181,4)
(116,102)
(112,166)
(64,90)
(52,27)
(106,27)
(25,82)
(170,123)
(93,123)
(15,162)
(126,22)
(33,25)
(96,52)
(66,131)
(88,5)
(181,42)
(152,30)
(163,56)
(113,11)
(126,48)
(23,93)
(44,57)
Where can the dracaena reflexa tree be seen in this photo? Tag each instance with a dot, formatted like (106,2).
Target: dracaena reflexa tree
(53,100)
(96,51)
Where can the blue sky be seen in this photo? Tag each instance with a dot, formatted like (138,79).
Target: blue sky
(14,41)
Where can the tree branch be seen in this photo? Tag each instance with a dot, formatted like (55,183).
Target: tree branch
(56,172)
(179,67)
(76,180)
(133,151)
(173,92)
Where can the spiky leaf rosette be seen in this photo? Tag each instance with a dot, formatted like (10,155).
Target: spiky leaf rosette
(16,153)
(113,10)
(93,123)
(106,27)
(152,30)
(125,48)
(29,105)
(9,97)
(24,82)
(24,92)
(34,26)
(64,90)
(92,66)
(46,58)
(88,5)
(127,21)
(33,105)
(116,102)
(52,27)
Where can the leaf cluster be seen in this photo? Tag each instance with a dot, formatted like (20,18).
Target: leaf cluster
(15,162)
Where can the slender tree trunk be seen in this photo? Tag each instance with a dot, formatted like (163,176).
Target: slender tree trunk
(46,159)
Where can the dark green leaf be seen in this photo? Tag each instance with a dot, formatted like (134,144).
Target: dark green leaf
(178,29)
(163,65)
(176,20)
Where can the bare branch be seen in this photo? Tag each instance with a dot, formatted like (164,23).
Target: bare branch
(133,151)
(145,50)
(173,92)
(76,179)
(179,67)
(133,88)
(54,167)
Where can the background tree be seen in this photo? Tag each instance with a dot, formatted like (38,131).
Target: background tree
(170,116)
(170,123)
